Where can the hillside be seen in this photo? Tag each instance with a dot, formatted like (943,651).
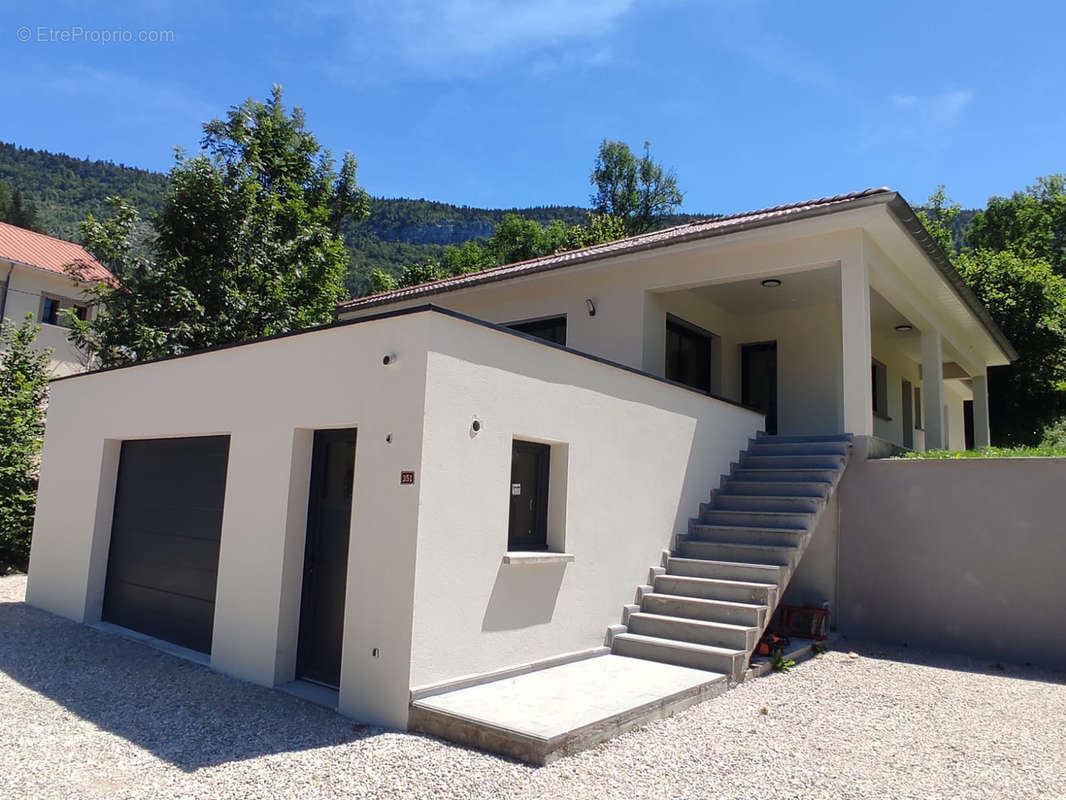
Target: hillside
(398,232)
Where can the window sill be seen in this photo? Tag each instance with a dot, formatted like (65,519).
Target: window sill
(536,557)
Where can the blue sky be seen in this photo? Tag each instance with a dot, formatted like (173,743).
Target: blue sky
(503,102)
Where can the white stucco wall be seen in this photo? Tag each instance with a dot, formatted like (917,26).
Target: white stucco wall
(24,297)
(641,454)
(266,396)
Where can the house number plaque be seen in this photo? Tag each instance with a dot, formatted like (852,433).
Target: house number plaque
(407,478)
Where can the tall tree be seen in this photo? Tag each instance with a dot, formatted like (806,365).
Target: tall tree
(23,389)
(1032,222)
(16,210)
(247,244)
(638,191)
(1009,269)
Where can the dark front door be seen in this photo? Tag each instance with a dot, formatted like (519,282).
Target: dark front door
(758,380)
(329,516)
(908,414)
(528,528)
(167,525)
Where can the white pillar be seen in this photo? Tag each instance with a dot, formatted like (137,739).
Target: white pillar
(933,390)
(981,435)
(855,320)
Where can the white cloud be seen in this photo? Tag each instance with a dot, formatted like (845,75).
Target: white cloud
(465,35)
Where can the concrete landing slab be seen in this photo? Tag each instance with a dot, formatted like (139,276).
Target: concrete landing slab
(544,715)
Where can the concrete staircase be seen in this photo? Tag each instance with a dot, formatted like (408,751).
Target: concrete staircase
(709,602)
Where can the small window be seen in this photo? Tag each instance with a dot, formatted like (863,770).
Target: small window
(552,329)
(530,470)
(917,408)
(81,312)
(688,354)
(880,389)
(50,310)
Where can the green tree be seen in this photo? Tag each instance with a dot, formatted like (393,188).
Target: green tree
(380,281)
(1027,299)
(23,391)
(247,244)
(15,210)
(638,191)
(416,274)
(939,216)
(1032,223)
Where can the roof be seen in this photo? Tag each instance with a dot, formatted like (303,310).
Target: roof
(705,229)
(38,251)
(698,229)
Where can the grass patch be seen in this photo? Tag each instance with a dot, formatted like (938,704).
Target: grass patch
(1037,451)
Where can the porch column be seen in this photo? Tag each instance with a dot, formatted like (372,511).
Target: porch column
(933,389)
(981,435)
(858,401)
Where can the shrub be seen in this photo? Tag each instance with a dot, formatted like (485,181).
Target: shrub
(23,391)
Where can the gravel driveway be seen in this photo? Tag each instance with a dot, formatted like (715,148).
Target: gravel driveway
(88,714)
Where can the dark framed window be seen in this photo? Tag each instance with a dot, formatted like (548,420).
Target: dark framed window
(527,528)
(50,310)
(688,354)
(552,329)
(81,312)
(879,374)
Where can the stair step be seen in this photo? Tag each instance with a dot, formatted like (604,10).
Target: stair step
(684,654)
(747,534)
(763,502)
(732,613)
(773,447)
(815,437)
(792,461)
(717,589)
(771,475)
(715,634)
(738,551)
(757,518)
(763,488)
(726,570)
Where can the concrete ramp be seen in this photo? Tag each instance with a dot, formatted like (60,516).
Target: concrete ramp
(543,715)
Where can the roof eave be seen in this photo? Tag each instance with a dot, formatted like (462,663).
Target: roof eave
(908,218)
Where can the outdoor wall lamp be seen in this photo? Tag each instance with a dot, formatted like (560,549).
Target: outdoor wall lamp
(771,283)
(387,359)
(590,306)
(904,328)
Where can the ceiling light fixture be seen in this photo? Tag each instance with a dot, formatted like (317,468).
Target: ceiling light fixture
(771,283)
(904,328)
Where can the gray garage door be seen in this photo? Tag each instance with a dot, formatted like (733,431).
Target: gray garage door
(163,564)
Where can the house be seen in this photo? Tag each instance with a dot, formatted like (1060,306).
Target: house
(43,276)
(466,480)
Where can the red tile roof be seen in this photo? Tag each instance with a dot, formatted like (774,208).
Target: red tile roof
(50,254)
(699,229)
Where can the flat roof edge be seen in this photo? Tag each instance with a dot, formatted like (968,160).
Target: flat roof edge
(403,312)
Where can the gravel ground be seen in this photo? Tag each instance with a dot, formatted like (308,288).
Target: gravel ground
(88,714)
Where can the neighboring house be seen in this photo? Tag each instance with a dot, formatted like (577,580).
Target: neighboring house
(42,276)
(419,497)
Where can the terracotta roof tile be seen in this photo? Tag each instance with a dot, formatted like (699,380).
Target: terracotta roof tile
(50,254)
(698,229)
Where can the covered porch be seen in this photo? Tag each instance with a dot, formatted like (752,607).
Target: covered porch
(846,346)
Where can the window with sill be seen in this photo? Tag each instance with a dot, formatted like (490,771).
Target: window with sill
(527,529)
(50,310)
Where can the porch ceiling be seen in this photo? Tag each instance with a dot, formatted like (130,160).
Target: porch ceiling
(798,289)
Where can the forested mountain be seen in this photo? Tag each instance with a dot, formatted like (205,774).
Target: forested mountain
(397,233)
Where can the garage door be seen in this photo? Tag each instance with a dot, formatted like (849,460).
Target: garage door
(163,564)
